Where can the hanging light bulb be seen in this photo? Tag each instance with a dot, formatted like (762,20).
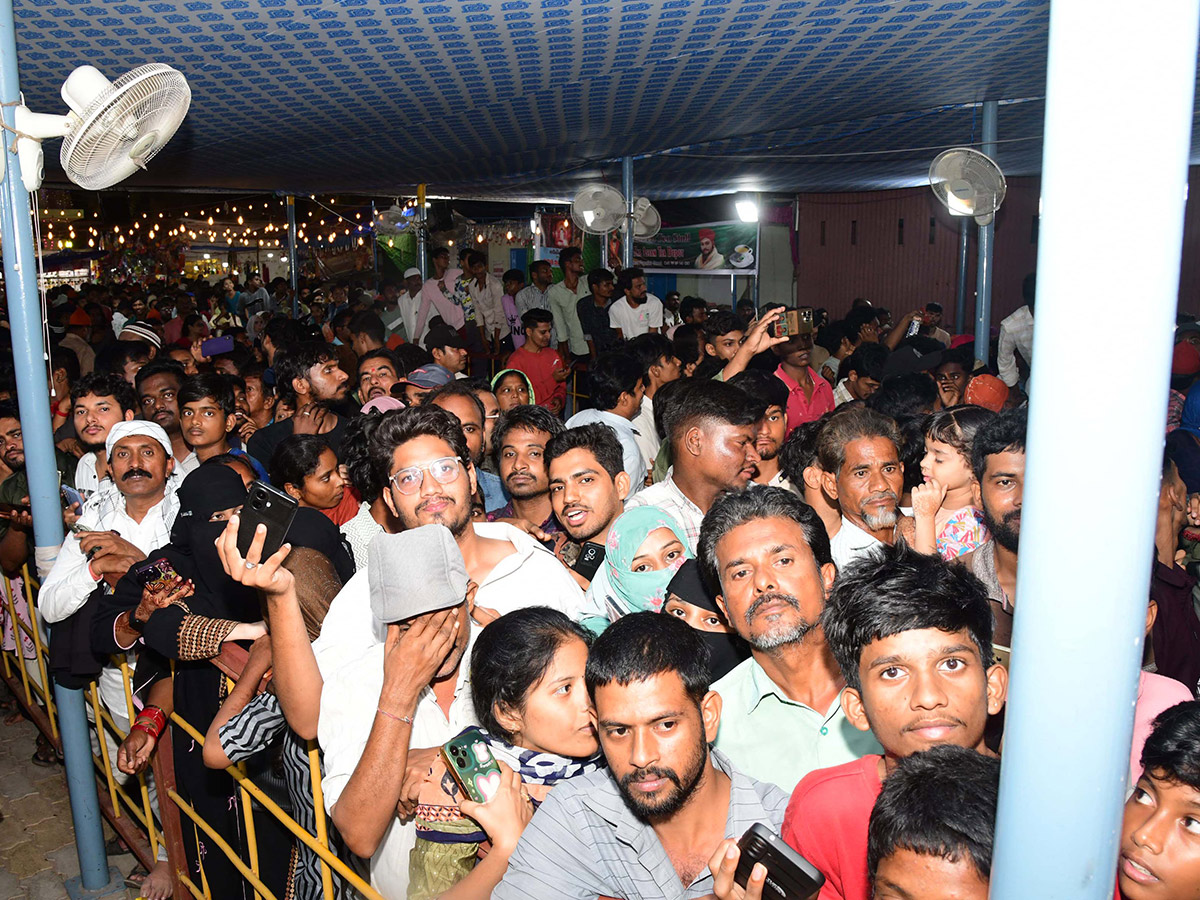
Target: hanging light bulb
(508,236)
(210,220)
(239,218)
(479,238)
(391,244)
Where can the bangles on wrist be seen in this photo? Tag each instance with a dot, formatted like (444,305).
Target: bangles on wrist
(151,720)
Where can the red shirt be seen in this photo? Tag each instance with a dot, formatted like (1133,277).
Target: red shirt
(346,509)
(826,823)
(540,368)
(801,409)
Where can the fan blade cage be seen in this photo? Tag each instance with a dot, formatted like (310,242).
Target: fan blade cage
(967,182)
(598,209)
(126,126)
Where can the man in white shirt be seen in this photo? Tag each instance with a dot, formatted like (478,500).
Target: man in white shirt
(422,459)
(488,293)
(411,691)
(130,516)
(617,389)
(98,402)
(1016,335)
(409,305)
(712,428)
(638,311)
(859,454)
(256,297)
(660,366)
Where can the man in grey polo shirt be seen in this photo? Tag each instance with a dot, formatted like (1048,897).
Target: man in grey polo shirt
(648,826)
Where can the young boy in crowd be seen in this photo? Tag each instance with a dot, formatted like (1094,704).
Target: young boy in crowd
(542,365)
(912,636)
(206,413)
(933,825)
(1160,835)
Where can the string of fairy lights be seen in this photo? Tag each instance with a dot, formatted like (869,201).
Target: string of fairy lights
(241,225)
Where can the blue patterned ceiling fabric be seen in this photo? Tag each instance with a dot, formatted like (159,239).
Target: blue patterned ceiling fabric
(527,99)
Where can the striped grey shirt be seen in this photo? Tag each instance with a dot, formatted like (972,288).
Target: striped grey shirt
(584,842)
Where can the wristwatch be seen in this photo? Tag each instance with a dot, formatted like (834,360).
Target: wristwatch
(134,622)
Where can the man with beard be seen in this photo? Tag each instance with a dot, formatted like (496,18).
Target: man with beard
(712,428)
(783,716)
(998,459)
(648,825)
(588,487)
(521,438)
(16,526)
(157,384)
(861,469)
(772,428)
(460,400)
(376,374)
(309,379)
(98,402)
(130,516)
(421,457)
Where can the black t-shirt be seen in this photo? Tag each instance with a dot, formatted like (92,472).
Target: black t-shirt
(263,442)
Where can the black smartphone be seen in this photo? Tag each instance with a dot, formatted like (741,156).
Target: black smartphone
(788,873)
(213,346)
(268,506)
(591,555)
(155,574)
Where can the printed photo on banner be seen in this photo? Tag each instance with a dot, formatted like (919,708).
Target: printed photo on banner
(705,247)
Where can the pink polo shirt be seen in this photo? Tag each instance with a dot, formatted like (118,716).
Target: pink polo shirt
(801,409)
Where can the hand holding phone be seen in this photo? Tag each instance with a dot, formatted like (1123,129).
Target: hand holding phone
(788,873)
(471,764)
(269,506)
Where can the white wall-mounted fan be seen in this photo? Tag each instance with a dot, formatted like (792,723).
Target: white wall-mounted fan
(968,183)
(113,129)
(599,209)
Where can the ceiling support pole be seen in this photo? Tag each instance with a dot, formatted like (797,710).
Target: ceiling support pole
(293,259)
(627,190)
(960,301)
(983,271)
(1101,253)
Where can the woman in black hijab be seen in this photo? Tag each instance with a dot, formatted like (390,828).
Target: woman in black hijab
(689,599)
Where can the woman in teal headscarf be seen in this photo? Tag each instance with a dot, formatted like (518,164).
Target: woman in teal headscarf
(645,548)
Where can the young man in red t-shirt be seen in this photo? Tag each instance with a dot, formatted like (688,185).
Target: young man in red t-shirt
(543,366)
(913,638)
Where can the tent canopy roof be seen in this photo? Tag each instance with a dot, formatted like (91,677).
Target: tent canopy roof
(529,99)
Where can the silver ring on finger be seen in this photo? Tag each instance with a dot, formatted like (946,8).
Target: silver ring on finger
(250,565)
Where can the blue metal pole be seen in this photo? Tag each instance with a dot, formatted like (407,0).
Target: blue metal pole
(960,301)
(25,319)
(627,190)
(293,262)
(1065,763)
(983,272)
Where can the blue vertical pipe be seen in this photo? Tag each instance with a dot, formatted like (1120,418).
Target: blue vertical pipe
(1069,724)
(627,190)
(25,319)
(293,261)
(423,234)
(983,272)
(960,301)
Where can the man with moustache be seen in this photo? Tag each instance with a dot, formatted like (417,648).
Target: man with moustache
(647,825)
(422,459)
(157,384)
(861,469)
(768,554)
(16,527)
(129,516)
(588,487)
(521,438)
(998,459)
(309,378)
(376,374)
(462,401)
(98,402)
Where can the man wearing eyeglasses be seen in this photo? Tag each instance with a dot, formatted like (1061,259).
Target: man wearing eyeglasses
(422,458)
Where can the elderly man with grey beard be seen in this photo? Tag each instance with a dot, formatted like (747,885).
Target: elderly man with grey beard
(766,554)
(859,453)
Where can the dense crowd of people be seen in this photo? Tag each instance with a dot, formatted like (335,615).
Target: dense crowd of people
(681,569)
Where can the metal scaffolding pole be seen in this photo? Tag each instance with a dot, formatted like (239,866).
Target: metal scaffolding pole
(983,271)
(422,234)
(29,358)
(293,261)
(627,190)
(1064,768)
(960,301)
